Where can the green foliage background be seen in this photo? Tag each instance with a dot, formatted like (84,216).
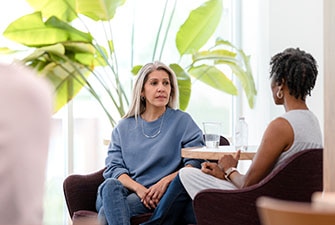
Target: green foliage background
(72,57)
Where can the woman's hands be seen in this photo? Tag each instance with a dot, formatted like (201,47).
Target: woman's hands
(153,194)
(213,169)
(224,163)
(228,161)
(149,196)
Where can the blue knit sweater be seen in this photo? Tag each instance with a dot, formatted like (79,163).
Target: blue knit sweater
(137,151)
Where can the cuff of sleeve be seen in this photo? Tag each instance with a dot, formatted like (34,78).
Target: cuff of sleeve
(193,162)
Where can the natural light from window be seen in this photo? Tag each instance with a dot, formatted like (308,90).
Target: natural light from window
(76,144)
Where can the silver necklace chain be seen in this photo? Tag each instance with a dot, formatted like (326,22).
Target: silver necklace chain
(157,133)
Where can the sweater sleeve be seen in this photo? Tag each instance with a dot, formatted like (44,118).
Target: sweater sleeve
(115,165)
(192,137)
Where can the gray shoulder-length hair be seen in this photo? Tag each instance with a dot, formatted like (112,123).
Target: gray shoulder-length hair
(137,106)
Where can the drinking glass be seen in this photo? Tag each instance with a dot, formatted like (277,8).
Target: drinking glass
(212,134)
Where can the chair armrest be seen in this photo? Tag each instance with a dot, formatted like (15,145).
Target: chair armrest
(222,207)
(294,180)
(81,191)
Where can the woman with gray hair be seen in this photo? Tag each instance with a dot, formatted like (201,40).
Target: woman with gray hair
(144,154)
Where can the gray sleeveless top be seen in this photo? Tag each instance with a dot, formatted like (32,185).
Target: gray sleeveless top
(307,133)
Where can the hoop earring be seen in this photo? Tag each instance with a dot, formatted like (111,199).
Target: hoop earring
(142,98)
(280,94)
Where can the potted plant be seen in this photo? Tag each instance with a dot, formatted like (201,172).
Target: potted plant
(63,48)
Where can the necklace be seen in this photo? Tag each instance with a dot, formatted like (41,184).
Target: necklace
(157,133)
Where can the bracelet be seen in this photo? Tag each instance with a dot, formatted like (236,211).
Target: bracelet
(229,172)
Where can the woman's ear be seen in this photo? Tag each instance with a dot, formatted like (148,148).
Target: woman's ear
(281,83)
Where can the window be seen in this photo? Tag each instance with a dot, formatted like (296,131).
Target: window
(80,128)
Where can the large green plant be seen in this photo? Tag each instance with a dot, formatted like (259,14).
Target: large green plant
(71,56)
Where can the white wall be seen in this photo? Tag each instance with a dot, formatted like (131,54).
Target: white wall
(300,25)
(270,27)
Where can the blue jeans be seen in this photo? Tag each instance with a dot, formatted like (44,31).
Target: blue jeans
(116,204)
(175,207)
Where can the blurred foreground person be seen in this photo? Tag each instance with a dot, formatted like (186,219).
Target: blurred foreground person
(25,116)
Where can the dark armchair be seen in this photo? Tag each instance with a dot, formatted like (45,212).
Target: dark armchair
(296,180)
(80,195)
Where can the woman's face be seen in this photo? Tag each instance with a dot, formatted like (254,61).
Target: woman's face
(157,89)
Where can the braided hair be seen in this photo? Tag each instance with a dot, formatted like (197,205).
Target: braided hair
(297,69)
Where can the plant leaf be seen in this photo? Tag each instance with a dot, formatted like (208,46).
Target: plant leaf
(101,56)
(6,50)
(246,82)
(215,55)
(27,31)
(57,49)
(83,53)
(246,61)
(30,30)
(67,56)
(214,78)
(63,9)
(73,34)
(184,85)
(136,69)
(66,80)
(242,69)
(79,47)
(68,77)
(99,9)
(199,27)
(238,62)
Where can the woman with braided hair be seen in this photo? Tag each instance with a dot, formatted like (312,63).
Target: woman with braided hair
(293,75)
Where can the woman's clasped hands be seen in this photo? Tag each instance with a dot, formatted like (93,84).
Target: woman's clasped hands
(224,163)
(152,195)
